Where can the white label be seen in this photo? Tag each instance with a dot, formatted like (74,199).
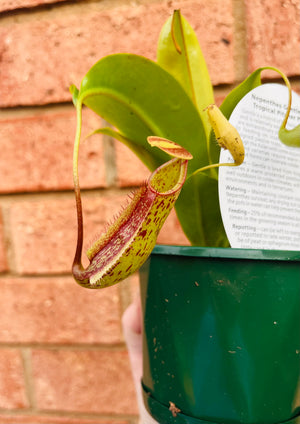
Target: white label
(260,200)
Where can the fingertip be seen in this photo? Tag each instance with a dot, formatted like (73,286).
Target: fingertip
(132,317)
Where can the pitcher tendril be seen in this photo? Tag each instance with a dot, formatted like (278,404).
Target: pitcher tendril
(289,137)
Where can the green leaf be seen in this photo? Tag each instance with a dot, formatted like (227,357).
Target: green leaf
(199,213)
(240,91)
(141,152)
(180,54)
(74,91)
(141,99)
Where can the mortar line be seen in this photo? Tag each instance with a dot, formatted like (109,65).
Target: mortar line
(8,239)
(42,11)
(47,413)
(96,347)
(28,379)
(240,39)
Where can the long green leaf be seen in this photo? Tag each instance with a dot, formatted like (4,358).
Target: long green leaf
(240,91)
(199,213)
(141,99)
(141,152)
(180,54)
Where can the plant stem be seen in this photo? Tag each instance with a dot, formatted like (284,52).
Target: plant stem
(287,83)
(77,258)
(215,165)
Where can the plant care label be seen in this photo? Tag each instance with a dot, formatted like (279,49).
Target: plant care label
(260,199)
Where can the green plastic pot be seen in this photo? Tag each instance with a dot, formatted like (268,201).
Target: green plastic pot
(221,335)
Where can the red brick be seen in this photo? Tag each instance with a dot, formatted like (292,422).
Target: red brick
(171,232)
(30,419)
(214,26)
(12,390)
(57,310)
(3,261)
(130,170)
(76,40)
(44,231)
(18,4)
(36,152)
(273,34)
(133,287)
(84,381)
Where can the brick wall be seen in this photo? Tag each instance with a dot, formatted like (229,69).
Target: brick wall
(62,353)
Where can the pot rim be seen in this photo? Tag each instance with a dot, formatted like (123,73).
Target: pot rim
(226,253)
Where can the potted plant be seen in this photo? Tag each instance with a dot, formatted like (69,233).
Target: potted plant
(221,325)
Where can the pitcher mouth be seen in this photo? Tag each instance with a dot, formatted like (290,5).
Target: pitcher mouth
(172,415)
